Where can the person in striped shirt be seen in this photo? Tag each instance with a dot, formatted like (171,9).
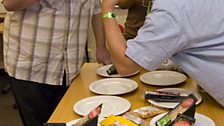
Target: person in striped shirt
(44,50)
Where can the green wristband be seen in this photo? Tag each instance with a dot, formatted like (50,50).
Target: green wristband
(109,15)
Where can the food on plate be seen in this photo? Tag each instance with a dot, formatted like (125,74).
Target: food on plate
(148,111)
(162,96)
(171,93)
(112,70)
(91,119)
(183,120)
(133,117)
(186,108)
(113,120)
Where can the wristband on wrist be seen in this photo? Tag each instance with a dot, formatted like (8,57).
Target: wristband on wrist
(109,15)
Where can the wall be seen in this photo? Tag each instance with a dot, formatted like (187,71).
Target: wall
(2,9)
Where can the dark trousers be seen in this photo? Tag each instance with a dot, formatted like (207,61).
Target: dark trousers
(35,101)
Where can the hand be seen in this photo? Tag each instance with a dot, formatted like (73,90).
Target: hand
(103,56)
(108,5)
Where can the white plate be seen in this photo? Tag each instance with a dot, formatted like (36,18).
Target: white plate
(113,86)
(102,71)
(201,120)
(111,105)
(172,105)
(71,123)
(163,78)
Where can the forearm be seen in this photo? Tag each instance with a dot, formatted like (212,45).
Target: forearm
(13,5)
(102,54)
(117,45)
(98,30)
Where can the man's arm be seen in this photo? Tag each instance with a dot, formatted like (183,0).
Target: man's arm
(102,54)
(116,42)
(13,5)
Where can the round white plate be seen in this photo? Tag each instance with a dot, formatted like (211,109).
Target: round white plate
(102,71)
(71,123)
(163,78)
(172,105)
(111,105)
(201,120)
(113,86)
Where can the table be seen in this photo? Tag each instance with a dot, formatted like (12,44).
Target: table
(2,15)
(1,27)
(79,90)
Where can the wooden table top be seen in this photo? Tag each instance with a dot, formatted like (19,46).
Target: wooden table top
(1,27)
(79,90)
(2,15)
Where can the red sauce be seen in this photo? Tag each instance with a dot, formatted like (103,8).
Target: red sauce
(95,112)
(187,102)
(182,123)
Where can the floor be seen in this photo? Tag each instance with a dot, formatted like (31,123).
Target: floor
(9,116)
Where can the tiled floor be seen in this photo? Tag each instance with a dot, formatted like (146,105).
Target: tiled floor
(8,115)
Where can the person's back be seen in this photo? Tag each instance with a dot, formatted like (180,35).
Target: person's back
(192,32)
(204,58)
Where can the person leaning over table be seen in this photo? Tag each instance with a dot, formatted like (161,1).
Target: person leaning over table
(135,16)
(44,49)
(137,11)
(191,32)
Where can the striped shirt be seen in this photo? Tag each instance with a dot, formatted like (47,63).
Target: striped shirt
(48,38)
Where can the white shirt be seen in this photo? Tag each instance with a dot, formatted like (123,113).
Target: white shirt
(191,32)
